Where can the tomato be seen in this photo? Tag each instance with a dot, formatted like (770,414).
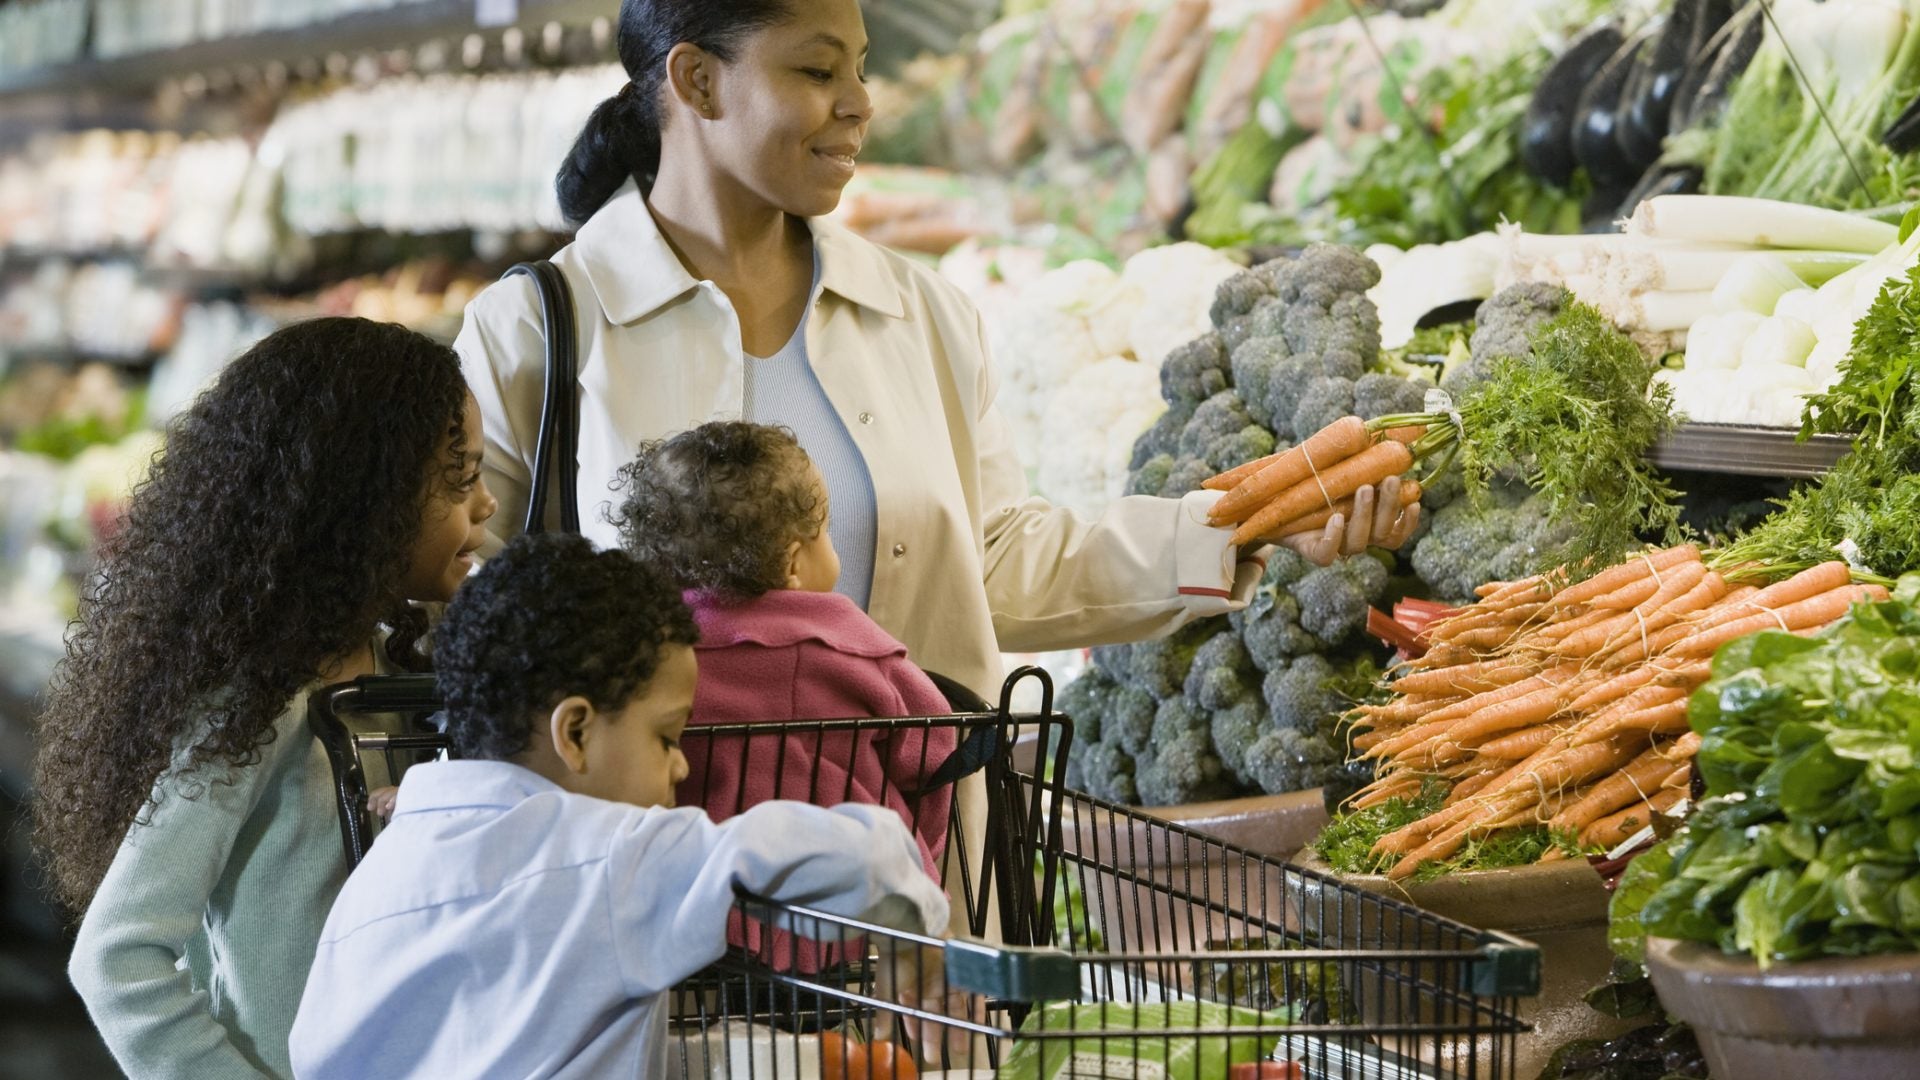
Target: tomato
(889,1062)
(841,1058)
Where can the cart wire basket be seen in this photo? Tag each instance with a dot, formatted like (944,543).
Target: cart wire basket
(1142,950)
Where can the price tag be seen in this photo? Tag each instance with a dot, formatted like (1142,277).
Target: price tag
(488,13)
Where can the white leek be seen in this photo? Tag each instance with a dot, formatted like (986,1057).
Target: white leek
(1755,283)
(1758,223)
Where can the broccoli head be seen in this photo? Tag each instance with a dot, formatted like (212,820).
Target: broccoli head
(1253,364)
(1086,701)
(1129,720)
(1250,443)
(1104,771)
(1151,477)
(1289,381)
(1378,394)
(1325,400)
(1164,436)
(1321,270)
(1505,536)
(1286,759)
(1114,660)
(1234,729)
(1305,694)
(1159,667)
(1273,634)
(1238,295)
(1182,766)
(1196,371)
(1504,326)
(1222,674)
(1334,599)
(1187,474)
(1219,417)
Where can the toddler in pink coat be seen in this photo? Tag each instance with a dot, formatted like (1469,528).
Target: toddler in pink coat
(738,513)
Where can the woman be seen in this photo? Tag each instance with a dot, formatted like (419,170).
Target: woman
(709,287)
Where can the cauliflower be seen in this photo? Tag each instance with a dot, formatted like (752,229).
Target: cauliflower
(1069,319)
(1175,285)
(1432,276)
(1090,425)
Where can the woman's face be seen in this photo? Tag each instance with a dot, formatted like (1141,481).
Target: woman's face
(454,524)
(791,112)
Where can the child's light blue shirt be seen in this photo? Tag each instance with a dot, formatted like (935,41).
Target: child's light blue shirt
(504,927)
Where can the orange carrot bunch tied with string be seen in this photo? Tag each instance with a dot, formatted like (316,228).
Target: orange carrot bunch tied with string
(1301,489)
(1565,706)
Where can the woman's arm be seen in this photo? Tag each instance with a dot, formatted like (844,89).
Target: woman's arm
(153,901)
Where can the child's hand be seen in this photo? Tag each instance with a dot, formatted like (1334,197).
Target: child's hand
(380,802)
(916,978)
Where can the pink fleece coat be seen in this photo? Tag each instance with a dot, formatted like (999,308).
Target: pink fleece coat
(791,655)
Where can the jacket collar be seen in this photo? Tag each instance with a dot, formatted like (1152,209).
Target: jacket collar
(635,273)
(788,617)
(458,785)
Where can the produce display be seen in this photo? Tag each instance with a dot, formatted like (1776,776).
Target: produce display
(1562,711)
(1805,845)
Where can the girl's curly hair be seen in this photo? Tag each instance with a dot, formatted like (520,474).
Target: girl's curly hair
(271,535)
(715,507)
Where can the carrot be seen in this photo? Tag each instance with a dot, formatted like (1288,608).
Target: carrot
(1688,675)
(1681,777)
(1481,616)
(1521,712)
(1642,565)
(1642,776)
(1409,494)
(1807,614)
(1621,826)
(1647,697)
(1672,587)
(1375,464)
(1464,678)
(1405,435)
(1628,596)
(1491,818)
(1561,630)
(1653,637)
(1494,589)
(1344,438)
(1239,474)
(1550,678)
(1802,586)
(1573,766)
(1520,743)
(1467,788)
(1667,719)
(1384,789)
(1639,650)
(1612,689)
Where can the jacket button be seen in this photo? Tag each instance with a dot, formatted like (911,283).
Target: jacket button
(899,551)
(866,418)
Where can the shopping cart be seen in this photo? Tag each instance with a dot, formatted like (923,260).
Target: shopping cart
(1146,950)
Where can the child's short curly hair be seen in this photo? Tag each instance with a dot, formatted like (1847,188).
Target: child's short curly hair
(548,618)
(716,507)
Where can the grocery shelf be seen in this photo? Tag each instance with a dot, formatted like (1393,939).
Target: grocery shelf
(1748,451)
(397,27)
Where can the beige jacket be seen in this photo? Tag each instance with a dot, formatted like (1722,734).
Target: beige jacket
(968,564)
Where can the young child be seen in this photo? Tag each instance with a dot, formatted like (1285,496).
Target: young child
(737,514)
(534,898)
(329,476)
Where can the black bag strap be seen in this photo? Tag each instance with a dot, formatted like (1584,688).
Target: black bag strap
(558,447)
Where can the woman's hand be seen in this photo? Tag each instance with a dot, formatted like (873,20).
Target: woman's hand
(1378,521)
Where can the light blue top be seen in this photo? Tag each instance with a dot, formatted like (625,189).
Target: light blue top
(502,926)
(783,389)
(193,952)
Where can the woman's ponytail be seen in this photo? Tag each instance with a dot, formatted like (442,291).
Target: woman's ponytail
(622,138)
(621,141)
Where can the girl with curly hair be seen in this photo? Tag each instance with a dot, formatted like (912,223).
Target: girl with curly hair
(328,478)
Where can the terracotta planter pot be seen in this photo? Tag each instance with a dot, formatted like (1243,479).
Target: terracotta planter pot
(1846,1019)
(1560,907)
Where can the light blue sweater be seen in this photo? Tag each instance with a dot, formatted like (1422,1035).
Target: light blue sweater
(195,950)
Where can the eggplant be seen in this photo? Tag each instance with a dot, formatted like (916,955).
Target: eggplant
(1595,119)
(1546,137)
(1640,145)
(1903,135)
(1647,119)
(1660,180)
(1703,93)
(1601,210)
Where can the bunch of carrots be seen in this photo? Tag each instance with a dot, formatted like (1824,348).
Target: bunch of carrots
(1299,490)
(1567,706)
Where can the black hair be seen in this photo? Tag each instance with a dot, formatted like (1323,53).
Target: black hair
(716,507)
(272,534)
(622,137)
(546,619)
